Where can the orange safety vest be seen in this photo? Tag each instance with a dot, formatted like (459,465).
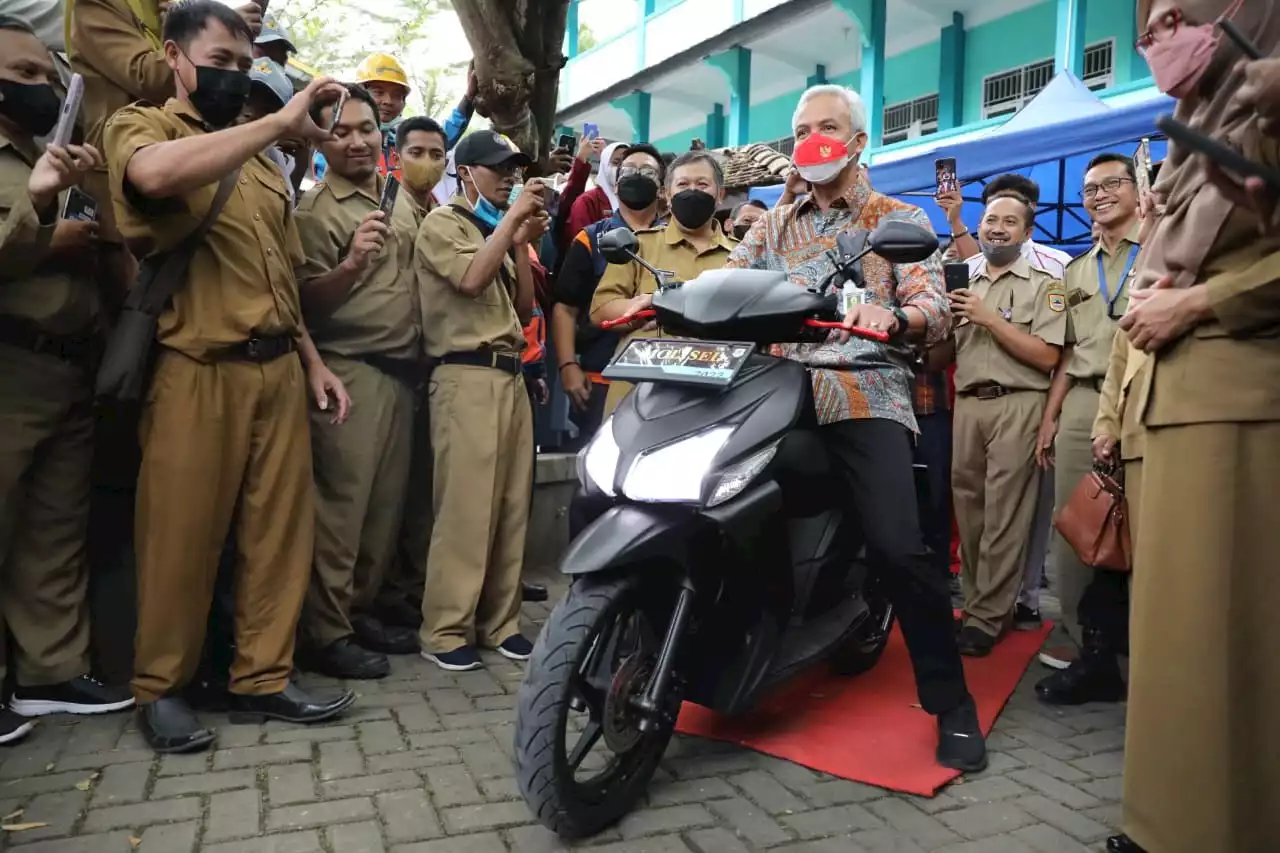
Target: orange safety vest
(535,338)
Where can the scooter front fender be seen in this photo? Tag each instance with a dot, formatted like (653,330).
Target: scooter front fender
(628,534)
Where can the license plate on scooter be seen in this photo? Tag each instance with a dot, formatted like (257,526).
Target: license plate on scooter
(706,364)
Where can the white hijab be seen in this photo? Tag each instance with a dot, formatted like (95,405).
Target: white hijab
(444,191)
(607,178)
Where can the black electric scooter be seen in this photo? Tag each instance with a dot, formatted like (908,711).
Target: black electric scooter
(725,562)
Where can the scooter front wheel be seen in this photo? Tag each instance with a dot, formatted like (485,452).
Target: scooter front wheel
(594,657)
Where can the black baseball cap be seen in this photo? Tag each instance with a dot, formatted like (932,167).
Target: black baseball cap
(489,148)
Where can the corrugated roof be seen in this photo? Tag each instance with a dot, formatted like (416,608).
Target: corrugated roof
(754,165)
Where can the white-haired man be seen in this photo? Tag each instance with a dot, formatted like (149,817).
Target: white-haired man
(862,389)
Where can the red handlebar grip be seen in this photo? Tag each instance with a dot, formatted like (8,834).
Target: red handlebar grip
(856,331)
(647,314)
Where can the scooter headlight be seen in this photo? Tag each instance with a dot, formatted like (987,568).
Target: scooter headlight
(675,473)
(598,462)
(738,476)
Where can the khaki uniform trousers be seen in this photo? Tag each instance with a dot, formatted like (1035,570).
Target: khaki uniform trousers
(222,443)
(1072,462)
(46,450)
(361,473)
(482,436)
(994,480)
(1202,748)
(407,576)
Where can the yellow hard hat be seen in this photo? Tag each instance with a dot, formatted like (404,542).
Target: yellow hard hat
(383,68)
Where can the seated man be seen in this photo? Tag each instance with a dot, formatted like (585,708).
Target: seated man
(689,246)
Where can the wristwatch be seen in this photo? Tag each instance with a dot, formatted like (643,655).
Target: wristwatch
(904,323)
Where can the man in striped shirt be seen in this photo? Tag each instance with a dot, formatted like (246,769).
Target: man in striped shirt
(862,389)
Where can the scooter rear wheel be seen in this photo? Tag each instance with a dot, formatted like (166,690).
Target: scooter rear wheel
(594,654)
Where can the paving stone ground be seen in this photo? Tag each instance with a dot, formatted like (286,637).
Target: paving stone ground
(423,765)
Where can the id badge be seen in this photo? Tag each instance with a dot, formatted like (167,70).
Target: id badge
(851,296)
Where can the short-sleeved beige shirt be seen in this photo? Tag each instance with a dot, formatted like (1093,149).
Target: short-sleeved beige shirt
(453,322)
(381,315)
(1033,301)
(1095,315)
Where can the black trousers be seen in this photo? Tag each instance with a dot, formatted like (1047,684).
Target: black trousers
(1104,610)
(874,456)
(933,450)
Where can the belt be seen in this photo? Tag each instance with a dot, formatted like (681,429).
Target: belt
(20,334)
(507,362)
(257,350)
(406,370)
(990,391)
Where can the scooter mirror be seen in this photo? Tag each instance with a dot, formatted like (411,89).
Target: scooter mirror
(619,245)
(902,242)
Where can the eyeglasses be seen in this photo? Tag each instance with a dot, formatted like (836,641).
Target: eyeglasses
(507,170)
(1166,27)
(1110,185)
(643,171)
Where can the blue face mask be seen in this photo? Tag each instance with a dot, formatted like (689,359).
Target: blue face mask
(485,210)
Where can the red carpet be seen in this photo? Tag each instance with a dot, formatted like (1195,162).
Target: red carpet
(869,728)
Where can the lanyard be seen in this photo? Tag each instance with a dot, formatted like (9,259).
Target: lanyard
(1102,278)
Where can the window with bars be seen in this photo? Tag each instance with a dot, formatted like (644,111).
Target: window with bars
(910,120)
(785,145)
(1009,91)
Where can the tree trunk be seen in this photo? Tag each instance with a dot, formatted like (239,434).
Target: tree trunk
(517,46)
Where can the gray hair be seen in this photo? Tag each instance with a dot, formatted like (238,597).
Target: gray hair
(698,155)
(857,109)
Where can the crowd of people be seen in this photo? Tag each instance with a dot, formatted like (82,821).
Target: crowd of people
(334,451)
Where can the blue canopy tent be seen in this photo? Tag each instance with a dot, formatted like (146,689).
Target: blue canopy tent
(1050,141)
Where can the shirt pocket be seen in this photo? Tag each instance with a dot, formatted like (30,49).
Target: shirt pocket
(1023,312)
(265,187)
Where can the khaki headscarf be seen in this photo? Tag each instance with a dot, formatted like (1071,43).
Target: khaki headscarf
(146,14)
(1195,211)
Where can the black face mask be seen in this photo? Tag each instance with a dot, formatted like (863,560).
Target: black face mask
(692,208)
(740,231)
(637,192)
(34,107)
(220,95)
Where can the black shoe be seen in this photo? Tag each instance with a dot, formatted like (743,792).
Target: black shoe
(1026,619)
(533,592)
(347,660)
(1122,844)
(375,636)
(975,643)
(169,725)
(960,742)
(207,693)
(1092,677)
(292,705)
(461,659)
(399,613)
(82,695)
(12,727)
(516,647)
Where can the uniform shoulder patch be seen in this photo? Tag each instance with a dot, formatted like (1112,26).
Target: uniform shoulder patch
(1057,301)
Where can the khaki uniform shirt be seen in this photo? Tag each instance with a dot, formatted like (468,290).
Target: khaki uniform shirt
(34,287)
(1033,301)
(451,320)
(380,315)
(120,65)
(1093,320)
(240,284)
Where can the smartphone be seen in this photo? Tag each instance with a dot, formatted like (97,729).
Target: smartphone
(1227,158)
(945,168)
(1247,47)
(79,206)
(590,131)
(390,190)
(569,142)
(1142,167)
(70,112)
(956,276)
(337,110)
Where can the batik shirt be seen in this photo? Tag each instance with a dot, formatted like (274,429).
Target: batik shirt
(861,378)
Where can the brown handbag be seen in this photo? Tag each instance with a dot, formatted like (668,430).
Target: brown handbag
(1095,521)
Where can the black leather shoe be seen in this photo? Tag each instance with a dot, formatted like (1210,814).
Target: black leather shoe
(1122,844)
(347,660)
(1088,679)
(975,643)
(169,725)
(292,705)
(533,592)
(960,742)
(376,636)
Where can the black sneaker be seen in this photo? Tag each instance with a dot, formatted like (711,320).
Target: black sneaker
(960,742)
(975,643)
(1026,619)
(12,727)
(515,647)
(461,659)
(345,659)
(83,695)
(1092,677)
(377,636)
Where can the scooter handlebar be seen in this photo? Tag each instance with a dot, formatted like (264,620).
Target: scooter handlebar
(855,331)
(628,319)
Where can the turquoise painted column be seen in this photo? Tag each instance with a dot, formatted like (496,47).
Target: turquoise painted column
(571,30)
(818,78)
(735,63)
(1069,54)
(636,106)
(951,75)
(715,127)
(1138,68)
(739,10)
(871,17)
